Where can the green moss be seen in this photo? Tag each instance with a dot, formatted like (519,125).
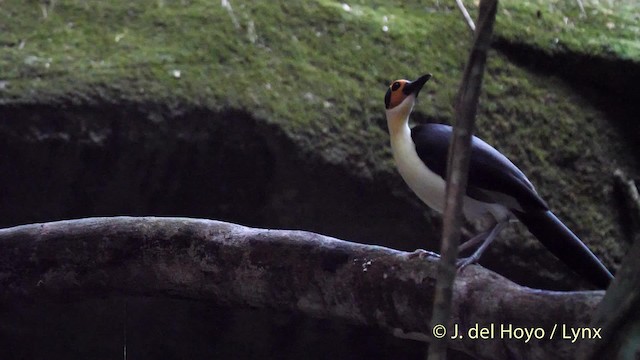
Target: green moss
(606,28)
(311,67)
(319,70)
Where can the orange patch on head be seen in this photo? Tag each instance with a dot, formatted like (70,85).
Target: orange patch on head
(395,95)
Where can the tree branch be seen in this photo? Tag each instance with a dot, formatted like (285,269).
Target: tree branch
(287,270)
(618,314)
(631,197)
(457,170)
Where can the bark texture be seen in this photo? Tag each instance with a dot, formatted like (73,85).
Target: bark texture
(288,270)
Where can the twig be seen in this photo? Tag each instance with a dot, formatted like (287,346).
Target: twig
(582,11)
(296,271)
(466,15)
(617,315)
(457,172)
(631,196)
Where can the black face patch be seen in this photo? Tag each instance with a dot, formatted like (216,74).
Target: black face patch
(387,99)
(395,86)
(408,88)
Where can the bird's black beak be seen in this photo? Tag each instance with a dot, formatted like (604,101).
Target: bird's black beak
(415,86)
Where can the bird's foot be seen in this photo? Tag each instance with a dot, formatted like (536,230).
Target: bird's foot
(464,262)
(422,254)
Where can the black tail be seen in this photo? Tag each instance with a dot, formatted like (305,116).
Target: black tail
(564,244)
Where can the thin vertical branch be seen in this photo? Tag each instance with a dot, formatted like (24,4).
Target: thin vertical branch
(617,314)
(582,11)
(457,172)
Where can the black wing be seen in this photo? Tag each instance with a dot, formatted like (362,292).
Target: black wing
(492,177)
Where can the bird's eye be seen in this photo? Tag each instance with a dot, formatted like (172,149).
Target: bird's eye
(395,86)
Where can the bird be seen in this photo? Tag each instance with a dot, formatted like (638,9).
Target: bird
(496,188)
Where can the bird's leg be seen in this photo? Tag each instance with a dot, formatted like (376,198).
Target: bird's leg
(462,263)
(473,241)
(421,254)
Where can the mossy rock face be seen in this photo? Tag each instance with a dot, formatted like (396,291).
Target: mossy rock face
(270,114)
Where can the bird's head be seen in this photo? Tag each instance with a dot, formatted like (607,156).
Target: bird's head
(400,98)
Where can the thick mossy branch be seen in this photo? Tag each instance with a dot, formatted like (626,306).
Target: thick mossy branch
(287,270)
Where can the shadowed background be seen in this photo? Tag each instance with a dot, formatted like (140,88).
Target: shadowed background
(270,115)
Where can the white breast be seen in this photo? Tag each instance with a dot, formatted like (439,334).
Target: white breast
(426,184)
(429,186)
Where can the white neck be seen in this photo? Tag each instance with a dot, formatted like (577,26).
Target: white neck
(427,185)
(398,118)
